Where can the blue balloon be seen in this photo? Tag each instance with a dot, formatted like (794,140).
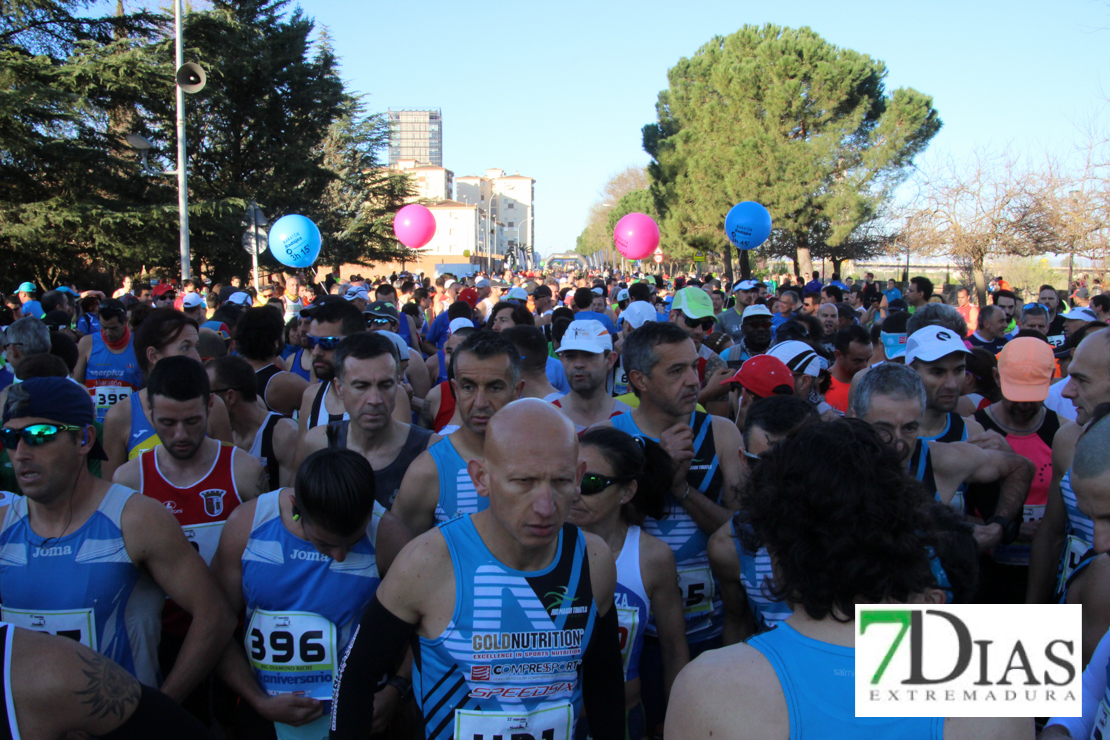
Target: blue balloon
(748,225)
(295,241)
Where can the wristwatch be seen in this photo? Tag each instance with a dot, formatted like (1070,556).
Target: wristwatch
(403,686)
(1010,528)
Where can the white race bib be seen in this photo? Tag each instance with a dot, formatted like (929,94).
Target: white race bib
(553,722)
(204,537)
(628,620)
(107,396)
(76,624)
(292,653)
(696,584)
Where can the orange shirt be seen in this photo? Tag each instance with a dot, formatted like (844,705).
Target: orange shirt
(837,397)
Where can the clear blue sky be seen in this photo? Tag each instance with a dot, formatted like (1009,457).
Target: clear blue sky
(559,91)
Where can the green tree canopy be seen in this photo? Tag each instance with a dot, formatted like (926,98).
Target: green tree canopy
(782,117)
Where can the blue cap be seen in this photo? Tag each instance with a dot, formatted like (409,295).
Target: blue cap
(58,399)
(65,289)
(26,288)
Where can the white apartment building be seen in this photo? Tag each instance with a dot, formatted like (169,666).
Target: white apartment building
(505,211)
(432,182)
(456,232)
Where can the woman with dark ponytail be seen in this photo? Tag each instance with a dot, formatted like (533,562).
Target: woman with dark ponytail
(626,480)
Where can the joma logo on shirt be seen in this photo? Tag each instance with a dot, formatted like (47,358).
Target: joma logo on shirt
(49,552)
(308,555)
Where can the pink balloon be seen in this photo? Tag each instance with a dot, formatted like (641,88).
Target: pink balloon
(414,226)
(636,236)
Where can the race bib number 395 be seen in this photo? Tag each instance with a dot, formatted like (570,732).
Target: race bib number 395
(292,653)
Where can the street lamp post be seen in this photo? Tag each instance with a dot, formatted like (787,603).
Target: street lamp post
(182,178)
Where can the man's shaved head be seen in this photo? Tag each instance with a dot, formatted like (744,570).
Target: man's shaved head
(512,432)
(1091,460)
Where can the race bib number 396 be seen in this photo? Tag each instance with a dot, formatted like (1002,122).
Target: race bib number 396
(292,653)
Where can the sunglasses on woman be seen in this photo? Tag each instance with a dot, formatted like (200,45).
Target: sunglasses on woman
(325,343)
(706,324)
(34,435)
(592,483)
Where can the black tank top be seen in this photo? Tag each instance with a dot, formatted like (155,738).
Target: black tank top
(705,470)
(262,380)
(387,480)
(922,469)
(272,467)
(314,419)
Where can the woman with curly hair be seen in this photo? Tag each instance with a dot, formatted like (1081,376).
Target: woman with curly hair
(844,525)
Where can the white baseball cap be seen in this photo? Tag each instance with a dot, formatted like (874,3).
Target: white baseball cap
(459,323)
(191,301)
(932,343)
(622,295)
(357,291)
(586,336)
(597,291)
(757,309)
(517,294)
(745,285)
(239,299)
(799,357)
(639,313)
(1081,313)
(482,283)
(449,283)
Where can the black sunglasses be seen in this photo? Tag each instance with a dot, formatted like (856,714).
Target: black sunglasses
(706,324)
(592,483)
(171,296)
(325,343)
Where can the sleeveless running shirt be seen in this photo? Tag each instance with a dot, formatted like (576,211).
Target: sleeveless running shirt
(301,607)
(111,377)
(509,663)
(921,468)
(142,436)
(1037,448)
(818,683)
(632,603)
(263,449)
(387,480)
(1080,531)
(701,596)
(262,380)
(446,407)
(201,509)
(9,726)
(295,365)
(319,414)
(441,376)
(457,495)
(755,569)
(83,586)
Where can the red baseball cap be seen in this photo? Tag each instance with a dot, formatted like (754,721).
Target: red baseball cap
(162,289)
(764,376)
(470,296)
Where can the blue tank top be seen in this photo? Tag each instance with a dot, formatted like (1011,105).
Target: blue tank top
(83,586)
(457,495)
(109,377)
(509,663)
(632,603)
(701,597)
(442,376)
(295,365)
(1080,535)
(755,569)
(301,607)
(142,436)
(818,683)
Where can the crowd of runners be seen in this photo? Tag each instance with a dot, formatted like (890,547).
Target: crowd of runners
(532,506)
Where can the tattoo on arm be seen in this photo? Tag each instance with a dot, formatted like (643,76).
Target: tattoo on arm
(713,364)
(426,419)
(110,691)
